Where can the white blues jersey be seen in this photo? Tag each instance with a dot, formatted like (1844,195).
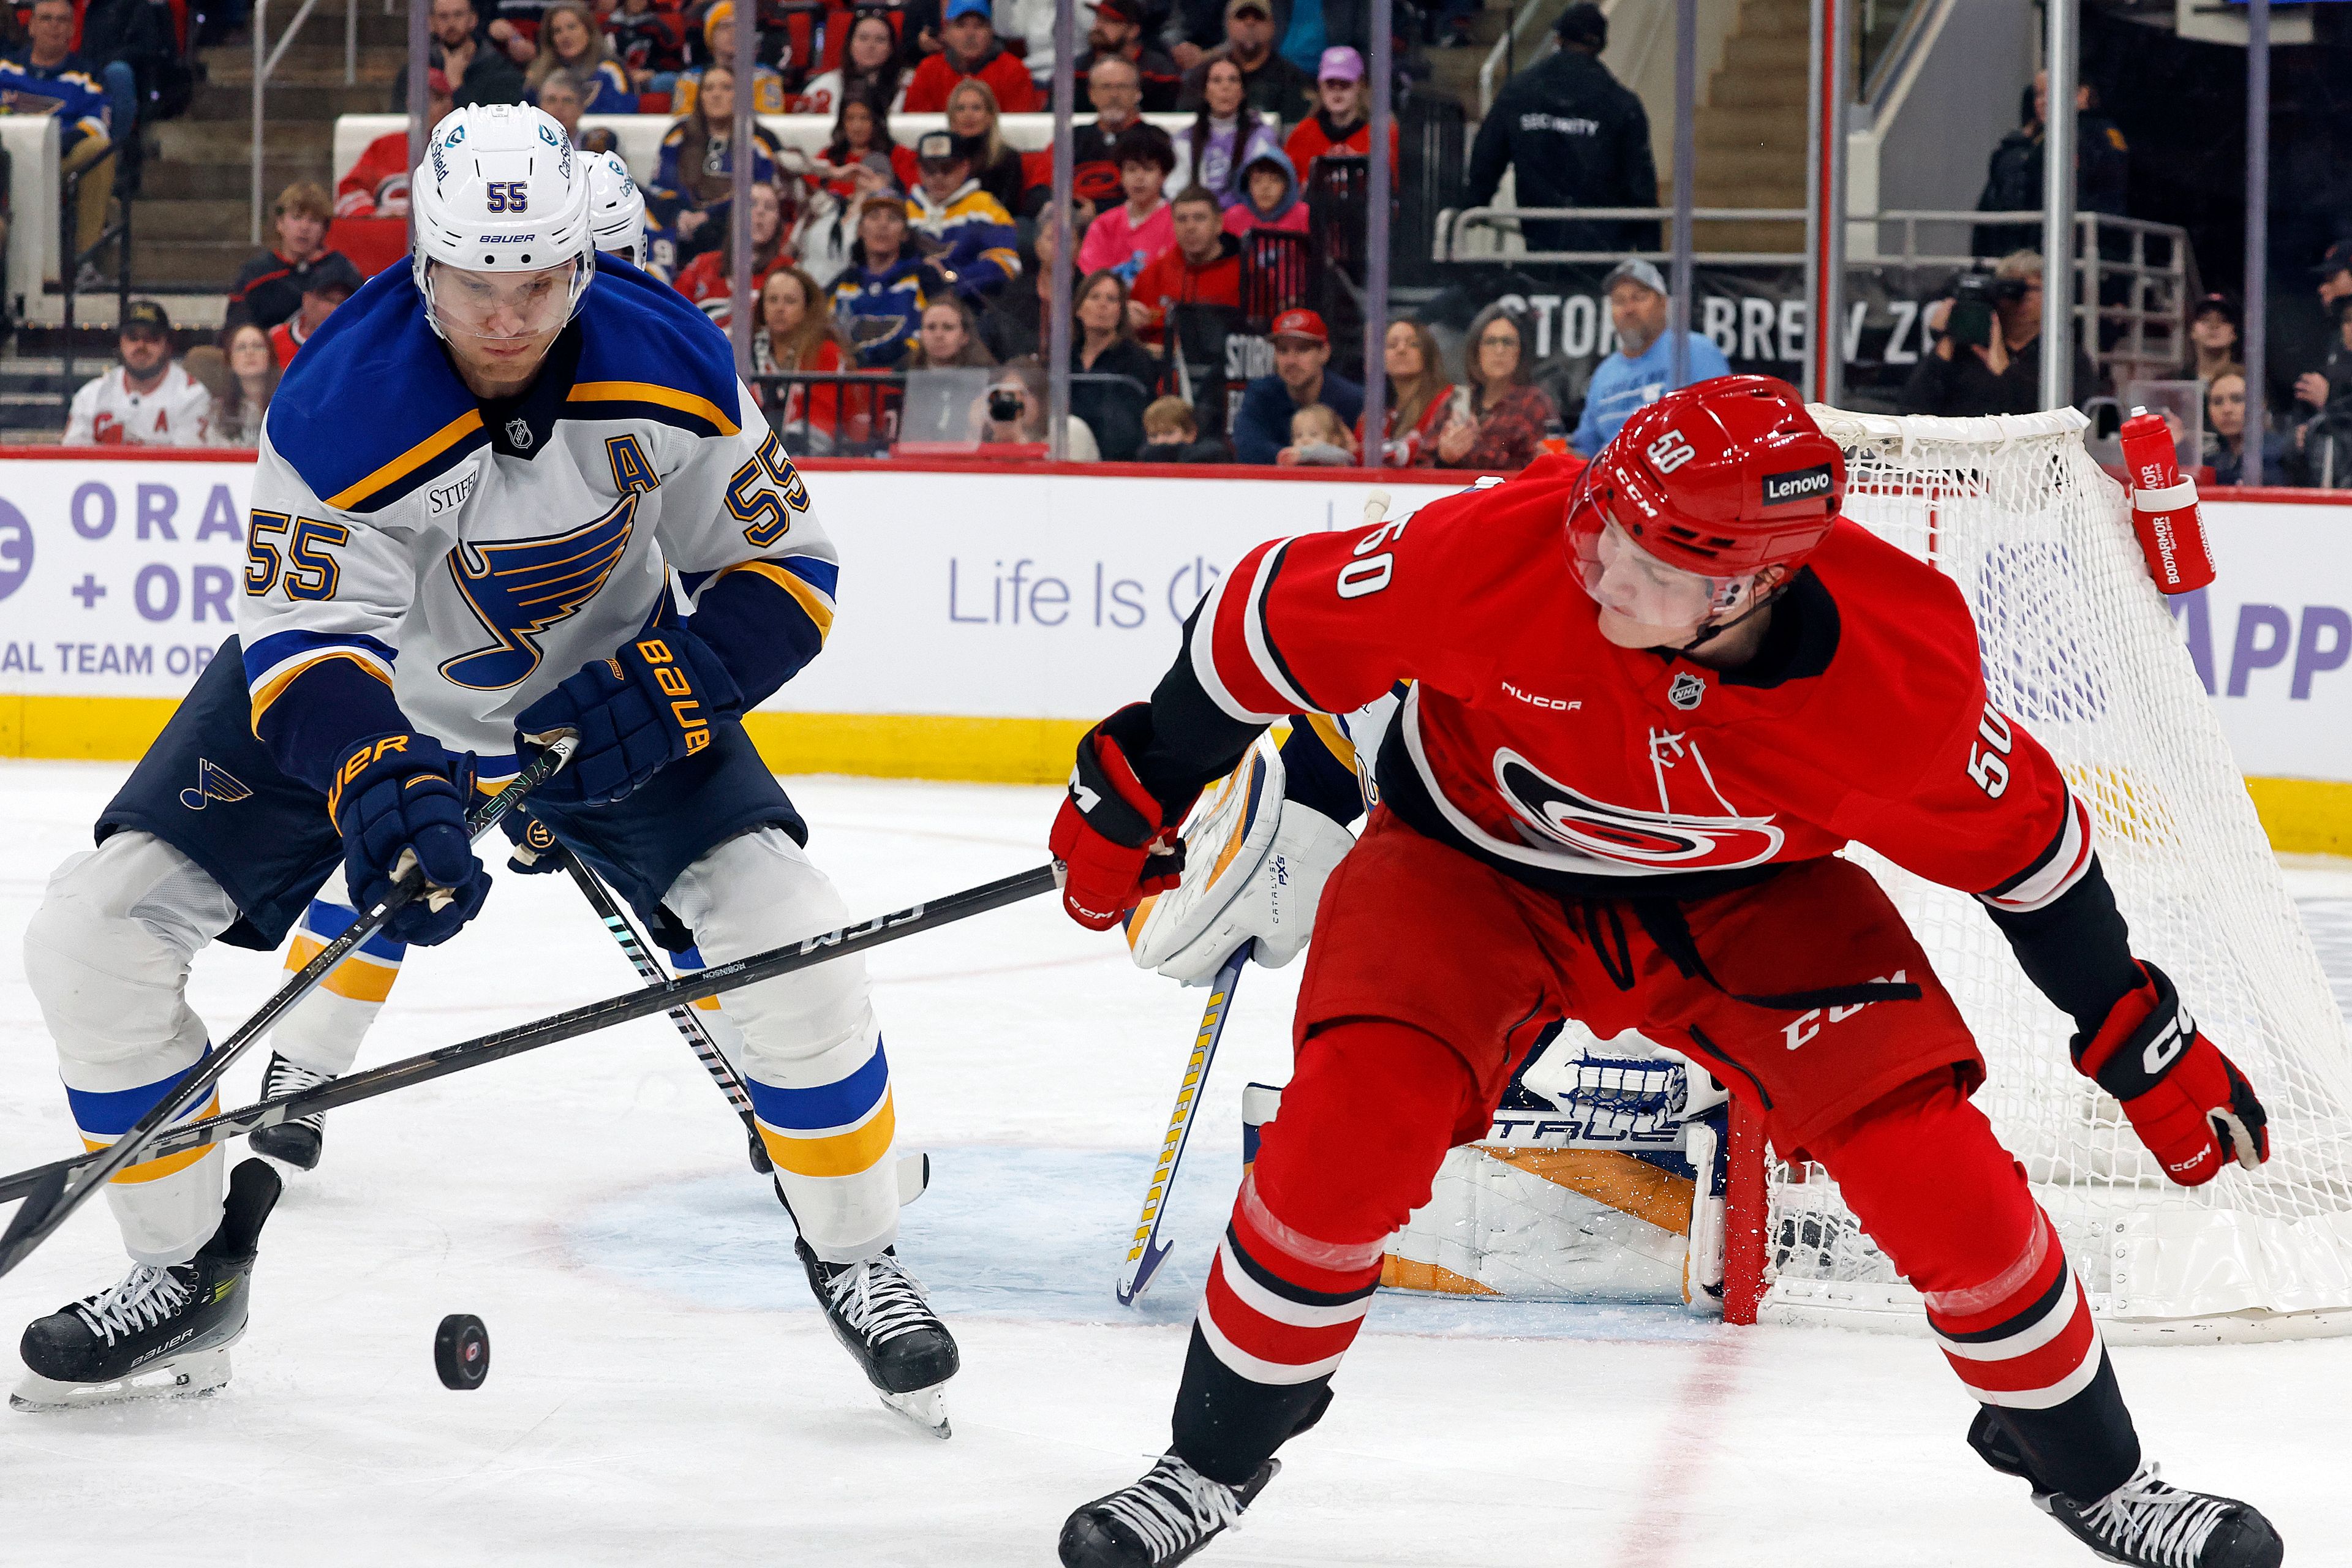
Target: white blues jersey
(471,554)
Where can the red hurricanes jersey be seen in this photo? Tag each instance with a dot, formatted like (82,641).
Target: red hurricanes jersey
(1534,743)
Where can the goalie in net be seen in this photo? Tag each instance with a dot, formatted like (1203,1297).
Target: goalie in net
(1651,702)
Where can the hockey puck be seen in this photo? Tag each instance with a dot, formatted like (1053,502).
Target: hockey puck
(461,1350)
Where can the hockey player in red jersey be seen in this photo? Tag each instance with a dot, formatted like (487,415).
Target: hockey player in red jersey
(1652,700)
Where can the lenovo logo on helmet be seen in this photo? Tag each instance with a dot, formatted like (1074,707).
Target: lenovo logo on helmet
(1804,484)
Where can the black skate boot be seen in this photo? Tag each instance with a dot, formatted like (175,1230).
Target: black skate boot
(164,1331)
(2148,1524)
(877,1311)
(298,1140)
(1172,1512)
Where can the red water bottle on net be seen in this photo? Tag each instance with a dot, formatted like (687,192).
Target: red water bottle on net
(2164,507)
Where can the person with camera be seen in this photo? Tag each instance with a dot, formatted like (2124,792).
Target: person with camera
(1013,411)
(1987,354)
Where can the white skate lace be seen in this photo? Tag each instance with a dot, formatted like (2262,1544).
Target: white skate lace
(145,1297)
(1173,1507)
(880,1300)
(2156,1522)
(292,1078)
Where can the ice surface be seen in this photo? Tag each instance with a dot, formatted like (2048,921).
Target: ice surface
(664,1390)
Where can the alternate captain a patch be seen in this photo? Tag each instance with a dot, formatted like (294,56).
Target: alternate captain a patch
(518,588)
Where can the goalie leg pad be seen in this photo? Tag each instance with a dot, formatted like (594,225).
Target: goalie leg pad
(810,1052)
(1933,1186)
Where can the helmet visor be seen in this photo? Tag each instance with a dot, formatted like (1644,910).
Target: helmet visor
(516,309)
(1628,581)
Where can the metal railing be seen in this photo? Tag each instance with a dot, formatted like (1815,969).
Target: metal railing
(1455,224)
(117,234)
(264,64)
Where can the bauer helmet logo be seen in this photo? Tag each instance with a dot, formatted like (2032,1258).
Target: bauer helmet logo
(1669,451)
(1803,484)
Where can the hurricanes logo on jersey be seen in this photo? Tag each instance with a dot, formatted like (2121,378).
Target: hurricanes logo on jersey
(1676,842)
(213,782)
(518,588)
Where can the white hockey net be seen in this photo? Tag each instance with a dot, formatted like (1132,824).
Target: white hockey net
(2080,647)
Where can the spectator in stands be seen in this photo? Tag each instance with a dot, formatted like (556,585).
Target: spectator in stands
(869,65)
(1192,29)
(1013,322)
(133,47)
(879,297)
(377,185)
(709,279)
(964,232)
(2225,432)
(1224,136)
(1270,197)
(1203,267)
(1117,34)
(502,29)
(569,42)
(2323,430)
(1104,344)
(1271,84)
(2213,335)
(950,338)
(1574,137)
(971,121)
(1980,366)
(246,389)
(46,76)
(2014,177)
(2332,382)
(480,71)
(1318,440)
(1342,121)
(798,334)
(1020,393)
(1641,370)
(268,288)
(559,94)
(972,51)
(1302,351)
(768,95)
(1419,398)
(1172,435)
(861,153)
(325,284)
(694,185)
(1496,420)
(649,38)
(1115,89)
(1129,236)
(146,400)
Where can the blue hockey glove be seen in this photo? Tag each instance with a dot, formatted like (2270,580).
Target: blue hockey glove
(647,706)
(534,844)
(397,795)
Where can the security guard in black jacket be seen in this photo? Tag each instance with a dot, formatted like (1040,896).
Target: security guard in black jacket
(1578,139)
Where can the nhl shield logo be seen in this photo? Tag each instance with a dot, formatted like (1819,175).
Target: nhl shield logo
(518,434)
(1685,692)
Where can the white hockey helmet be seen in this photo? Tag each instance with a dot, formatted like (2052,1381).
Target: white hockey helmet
(500,190)
(616,209)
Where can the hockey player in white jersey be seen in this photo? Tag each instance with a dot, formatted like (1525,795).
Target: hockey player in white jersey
(517,493)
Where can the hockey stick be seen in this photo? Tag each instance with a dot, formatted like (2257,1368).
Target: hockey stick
(1143,1258)
(690,1028)
(50,1203)
(584,1020)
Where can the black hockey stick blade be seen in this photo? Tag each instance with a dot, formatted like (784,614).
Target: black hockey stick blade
(584,1020)
(39,1219)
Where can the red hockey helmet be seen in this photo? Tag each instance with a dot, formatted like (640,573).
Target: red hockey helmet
(1722,478)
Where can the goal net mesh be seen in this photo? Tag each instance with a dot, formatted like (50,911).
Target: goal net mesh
(2080,648)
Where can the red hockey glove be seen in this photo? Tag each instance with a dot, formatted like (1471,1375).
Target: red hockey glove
(1113,842)
(2188,1103)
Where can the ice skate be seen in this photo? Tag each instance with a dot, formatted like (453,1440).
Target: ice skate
(2148,1524)
(298,1140)
(1172,1512)
(163,1330)
(877,1311)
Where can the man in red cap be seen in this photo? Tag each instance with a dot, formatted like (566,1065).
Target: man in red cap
(377,185)
(1302,348)
(1653,698)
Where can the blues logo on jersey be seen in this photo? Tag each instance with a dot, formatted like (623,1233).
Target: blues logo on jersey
(518,588)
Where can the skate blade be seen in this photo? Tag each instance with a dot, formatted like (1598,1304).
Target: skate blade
(925,1407)
(182,1377)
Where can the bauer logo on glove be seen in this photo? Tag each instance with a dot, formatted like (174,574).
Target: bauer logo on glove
(650,704)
